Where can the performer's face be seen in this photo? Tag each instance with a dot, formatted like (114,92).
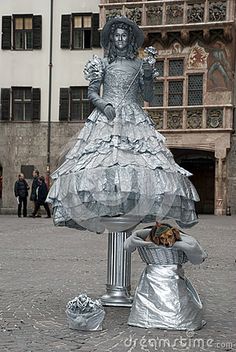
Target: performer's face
(121,38)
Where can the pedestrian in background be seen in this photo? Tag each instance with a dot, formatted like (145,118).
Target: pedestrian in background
(41,195)
(21,192)
(34,186)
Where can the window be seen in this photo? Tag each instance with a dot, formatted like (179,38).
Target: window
(176,67)
(174,81)
(27,170)
(158,94)
(175,96)
(159,66)
(80,31)
(195,89)
(20,104)
(74,104)
(21,32)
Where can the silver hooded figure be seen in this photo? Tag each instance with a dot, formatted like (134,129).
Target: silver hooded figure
(164,297)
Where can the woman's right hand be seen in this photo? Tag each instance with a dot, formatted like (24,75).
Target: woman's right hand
(109,111)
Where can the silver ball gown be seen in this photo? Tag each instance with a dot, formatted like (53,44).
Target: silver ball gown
(120,167)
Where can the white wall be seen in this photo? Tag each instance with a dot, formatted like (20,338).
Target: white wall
(30,68)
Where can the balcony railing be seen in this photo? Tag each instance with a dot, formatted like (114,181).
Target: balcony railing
(169,13)
(192,118)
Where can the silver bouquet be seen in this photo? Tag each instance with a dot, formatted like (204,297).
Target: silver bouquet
(85,314)
(151,56)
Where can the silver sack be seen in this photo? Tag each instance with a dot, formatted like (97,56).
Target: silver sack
(85,314)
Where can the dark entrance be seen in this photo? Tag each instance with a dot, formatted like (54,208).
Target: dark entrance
(202,165)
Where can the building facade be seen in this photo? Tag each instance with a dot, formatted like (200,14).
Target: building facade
(195,91)
(44,48)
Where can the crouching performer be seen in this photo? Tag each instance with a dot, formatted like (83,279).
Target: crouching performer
(165,298)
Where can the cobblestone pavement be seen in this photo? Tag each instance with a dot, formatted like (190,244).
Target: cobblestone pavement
(43,267)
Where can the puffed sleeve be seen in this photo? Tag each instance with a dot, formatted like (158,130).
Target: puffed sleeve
(94,71)
(191,247)
(136,240)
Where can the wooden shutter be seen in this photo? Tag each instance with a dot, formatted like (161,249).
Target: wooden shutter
(5,101)
(65,31)
(36,95)
(64,104)
(37,32)
(6,32)
(95,31)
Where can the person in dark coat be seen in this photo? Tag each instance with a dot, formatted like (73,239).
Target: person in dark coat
(41,195)
(34,186)
(21,192)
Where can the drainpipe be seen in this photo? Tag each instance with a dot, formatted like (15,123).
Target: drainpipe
(49,98)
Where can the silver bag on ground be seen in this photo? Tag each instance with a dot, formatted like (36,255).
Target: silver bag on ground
(85,314)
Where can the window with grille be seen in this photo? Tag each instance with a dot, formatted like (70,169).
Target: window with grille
(160,68)
(180,87)
(195,89)
(158,94)
(74,104)
(22,32)
(80,31)
(175,96)
(176,67)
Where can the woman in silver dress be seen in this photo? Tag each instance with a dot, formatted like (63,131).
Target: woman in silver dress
(119,164)
(165,298)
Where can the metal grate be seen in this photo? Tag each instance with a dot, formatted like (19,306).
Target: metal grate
(175,96)
(195,89)
(159,66)
(158,94)
(176,67)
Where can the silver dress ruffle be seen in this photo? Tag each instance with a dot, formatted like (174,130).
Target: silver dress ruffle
(166,299)
(122,166)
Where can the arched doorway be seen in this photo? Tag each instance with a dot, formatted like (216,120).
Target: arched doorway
(0,185)
(202,165)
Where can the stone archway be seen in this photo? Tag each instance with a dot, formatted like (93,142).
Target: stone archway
(202,165)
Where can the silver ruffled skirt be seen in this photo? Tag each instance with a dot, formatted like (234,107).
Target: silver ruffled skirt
(166,299)
(121,167)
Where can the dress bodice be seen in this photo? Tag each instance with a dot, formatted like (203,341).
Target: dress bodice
(121,82)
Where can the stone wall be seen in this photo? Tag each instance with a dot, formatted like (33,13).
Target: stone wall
(26,144)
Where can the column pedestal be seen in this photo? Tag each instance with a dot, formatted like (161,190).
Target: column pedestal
(118,272)
(118,261)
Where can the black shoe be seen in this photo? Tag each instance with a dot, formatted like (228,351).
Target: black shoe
(48,217)
(19,216)
(32,216)
(38,216)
